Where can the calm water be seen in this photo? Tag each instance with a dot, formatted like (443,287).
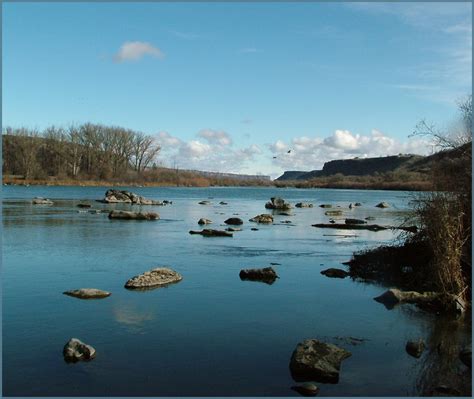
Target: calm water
(211,334)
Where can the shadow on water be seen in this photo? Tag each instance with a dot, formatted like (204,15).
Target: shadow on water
(441,372)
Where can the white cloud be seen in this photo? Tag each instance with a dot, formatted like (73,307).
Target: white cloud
(309,153)
(215,137)
(166,140)
(134,51)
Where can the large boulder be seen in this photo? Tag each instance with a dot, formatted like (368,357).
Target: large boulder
(267,275)
(126,215)
(212,233)
(161,276)
(277,203)
(263,218)
(87,293)
(234,221)
(76,350)
(316,360)
(335,273)
(42,201)
(127,197)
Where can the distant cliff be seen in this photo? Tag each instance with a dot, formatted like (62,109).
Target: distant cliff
(375,166)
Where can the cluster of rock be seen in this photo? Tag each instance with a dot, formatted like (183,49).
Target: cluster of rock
(277,203)
(303,205)
(160,276)
(122,196)
(127,215)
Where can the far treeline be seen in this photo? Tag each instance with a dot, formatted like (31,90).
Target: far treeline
(92,154)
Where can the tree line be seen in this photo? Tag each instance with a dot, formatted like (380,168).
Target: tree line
(87,151)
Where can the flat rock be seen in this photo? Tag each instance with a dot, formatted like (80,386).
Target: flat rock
(233,229)
(205,202)
(212,233)
(304,205)
(127,215)
(84,205)
(87,293)
(354,221)
(263,218)
(343,226)
(316,360)
(76,350)
(204,221)
(267,275)
(42,201)
(336,212)
(394,296)
(234,221)
(161,276)
(325,206)
(333,272)
(382,205)
(415,348)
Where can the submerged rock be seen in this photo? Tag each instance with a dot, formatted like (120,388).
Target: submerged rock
(222,203)
(263,218)
(126,215)
(76,350)
(415,348)
(87,293)
(306,389)
(254,229)
(84,205)
(277,203)
(304,205)
(357,204)
(212,233)
(382,205)
(394,296)
(335,273)
(204,221)
(234,221)
(161,276)
(318,361)
(42,201)
(371,227)
(267,275)
(333,213)
(233,229)
(205,202)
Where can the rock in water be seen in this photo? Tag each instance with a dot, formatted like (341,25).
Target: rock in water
(205,202)
(122,196)
(204,221)
(76,350)
(267,275)
(84,205)
(306,389)
(466,356)
(303,205)
(325,206)
(42,201)
(160,276)
(415,348)
(382,205)
(87,293)
(263,218)
(126,215)
(234,221)
(333,272)
(394,296)
(318,361)
(212,233)
(354,221)
(277,203)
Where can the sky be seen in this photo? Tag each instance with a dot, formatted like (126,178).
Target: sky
(256,88)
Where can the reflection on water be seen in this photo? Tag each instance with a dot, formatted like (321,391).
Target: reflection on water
(221,335)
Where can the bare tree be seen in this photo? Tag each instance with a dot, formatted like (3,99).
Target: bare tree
(145,149)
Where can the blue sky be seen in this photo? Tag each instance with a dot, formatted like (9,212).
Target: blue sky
(230,86)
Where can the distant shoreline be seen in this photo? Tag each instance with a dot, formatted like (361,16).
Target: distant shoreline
(392,186)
